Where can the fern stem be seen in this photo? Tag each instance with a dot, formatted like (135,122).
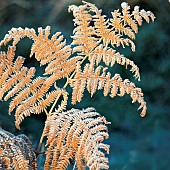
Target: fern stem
(52,107)
(74,166)
(41,140)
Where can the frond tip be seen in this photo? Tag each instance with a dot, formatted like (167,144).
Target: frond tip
(76,135)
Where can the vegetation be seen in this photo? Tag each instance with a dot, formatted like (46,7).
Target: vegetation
(78,57)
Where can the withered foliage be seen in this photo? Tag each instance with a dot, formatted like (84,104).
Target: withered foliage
(16,152)
(76,134)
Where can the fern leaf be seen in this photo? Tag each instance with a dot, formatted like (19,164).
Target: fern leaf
(54,52)
(26,80)
(83,34)
(104,81)
(36,103)
(16,34)
(109,57)
(100,23)
(23,94)
(127,19)
(124,22)
(71,137)
(66,66)
(30,94)
(12,81)
(119,28)
(7,69)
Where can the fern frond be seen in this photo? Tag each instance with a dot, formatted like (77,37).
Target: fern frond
(23,94)
(67,66)
(104,30)
(26,80)
(16,34)
(110,57)
(54,52)
(93,80)
(100,23)
(83,34)
(71,136)
(12,81)
(40,100)
(30,96)
(16,152)
(126,23)
(127,19)
(8,68)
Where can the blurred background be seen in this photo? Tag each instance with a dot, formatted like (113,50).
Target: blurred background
(136,143)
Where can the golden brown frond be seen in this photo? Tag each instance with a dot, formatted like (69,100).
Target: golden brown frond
(26,80)
(54,52)
(30,96)
(15,78)
(111,29)
(127,23)
(16,152)
(36,104)
(127,19)
(16,34)
(76,135)
(93,80)
(83,34)
(24,93)
(8,68)
(100,22)
(110,57)
(63,68)
(103,29)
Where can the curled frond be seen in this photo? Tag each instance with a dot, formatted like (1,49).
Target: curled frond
(16,152)
(76,135)
(16,34)
(93,80)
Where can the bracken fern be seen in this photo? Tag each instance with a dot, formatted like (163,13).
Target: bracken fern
(75,134)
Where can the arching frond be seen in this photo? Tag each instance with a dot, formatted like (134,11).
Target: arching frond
(18,87)
(127,23)
(110,57)
(76,135)
(29,96)
(54,52)
(36,104)
(93,80)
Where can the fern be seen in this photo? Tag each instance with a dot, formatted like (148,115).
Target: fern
(92,79)
(29,95)
(16,152)
(77,135)
(74,135)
